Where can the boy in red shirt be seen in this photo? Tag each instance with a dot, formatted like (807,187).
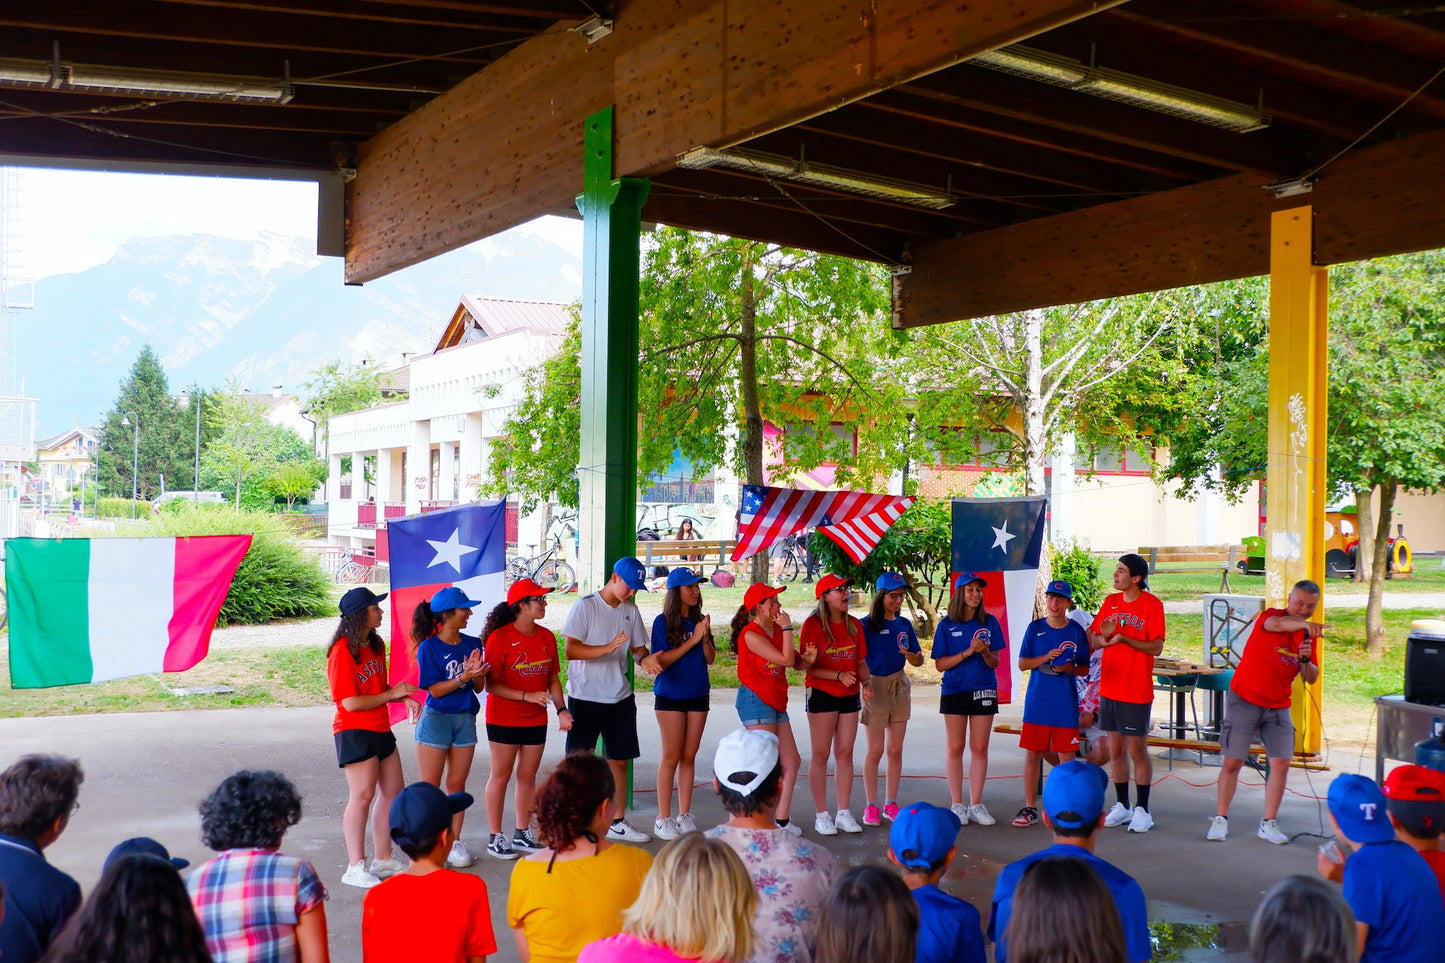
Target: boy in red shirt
(454,906)
(1129,627)
(1281,646)
(1415,800)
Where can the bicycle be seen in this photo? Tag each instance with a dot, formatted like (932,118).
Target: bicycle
(546,569)
(791,560)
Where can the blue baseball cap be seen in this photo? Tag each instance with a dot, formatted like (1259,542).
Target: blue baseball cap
(632,572)
(421,810)
(1060,588)
(451,597)
(890,581)
(679,577)
(1074,794)
(143,846)
(1358,806)
(922,834)
(965,577)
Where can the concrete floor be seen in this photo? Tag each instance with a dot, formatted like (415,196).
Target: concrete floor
(146,772)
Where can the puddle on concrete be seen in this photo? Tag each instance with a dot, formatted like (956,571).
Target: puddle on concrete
(1198,942)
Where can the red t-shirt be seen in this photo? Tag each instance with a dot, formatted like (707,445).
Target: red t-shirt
(442,917)
(1125,673)
(349,679)
(767,680)
(1270,662)
(1436,860)
(838,651)
(525,662)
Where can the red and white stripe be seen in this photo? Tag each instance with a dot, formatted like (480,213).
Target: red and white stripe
(785,511)
(859,536)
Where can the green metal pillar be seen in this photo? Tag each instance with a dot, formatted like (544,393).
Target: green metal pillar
(612,226)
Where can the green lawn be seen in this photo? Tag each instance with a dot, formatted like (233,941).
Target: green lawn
(1174,586)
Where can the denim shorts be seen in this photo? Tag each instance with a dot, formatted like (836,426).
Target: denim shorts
(753,711)
(443,730)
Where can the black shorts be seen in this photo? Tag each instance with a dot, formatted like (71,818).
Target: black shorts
(1125,718)
(819,701)
(975,702)
(359,745)
(615,723)
(517,735)
(696,704)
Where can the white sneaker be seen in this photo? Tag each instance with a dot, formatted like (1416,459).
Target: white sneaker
(823,825)
(357,875)
(686,824)
(383,868)
(1269,829)
(625,831)
(1219,829)
(793,829)
(977,813)
(1141,821)
(845,821)
(664,827)
(1118,816)
(961,811)
(459,858)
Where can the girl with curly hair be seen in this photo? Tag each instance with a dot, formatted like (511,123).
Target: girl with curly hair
(255,904)
(682,649)
(451,670)
(365,747)
(138,912)
(576,890)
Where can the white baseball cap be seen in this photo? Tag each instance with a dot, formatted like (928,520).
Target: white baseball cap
(746,750)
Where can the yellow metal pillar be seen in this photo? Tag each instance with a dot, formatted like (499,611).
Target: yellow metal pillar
(1295,507)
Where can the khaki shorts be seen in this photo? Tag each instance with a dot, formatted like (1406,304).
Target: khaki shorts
(892,701)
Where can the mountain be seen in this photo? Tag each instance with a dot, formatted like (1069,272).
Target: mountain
(262,312)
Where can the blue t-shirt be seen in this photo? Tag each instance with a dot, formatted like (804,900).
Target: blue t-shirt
(1392,890)
(437,662)
(1051,699)
(972,674)
(1128,897)
(949,930)
(884,641)
(38,900)
(687,677)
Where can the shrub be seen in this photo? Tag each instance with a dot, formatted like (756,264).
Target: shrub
(277,578)
(1077,566)
(110,507)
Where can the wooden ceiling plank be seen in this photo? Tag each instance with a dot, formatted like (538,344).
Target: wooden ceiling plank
(560,12)
(1378,201)
(347,10)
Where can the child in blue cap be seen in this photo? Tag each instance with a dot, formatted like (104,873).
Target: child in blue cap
(920,843)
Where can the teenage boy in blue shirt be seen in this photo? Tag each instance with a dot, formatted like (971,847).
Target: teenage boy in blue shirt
(1074,810)
(920,843)
(1055,648)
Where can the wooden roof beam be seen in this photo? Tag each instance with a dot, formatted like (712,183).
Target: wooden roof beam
(505,145)
(1375,202)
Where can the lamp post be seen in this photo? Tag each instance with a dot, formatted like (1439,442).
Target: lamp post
(125,422)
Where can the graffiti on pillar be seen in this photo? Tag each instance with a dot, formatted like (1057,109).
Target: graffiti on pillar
(1298,431)
(474,480)
(421,483)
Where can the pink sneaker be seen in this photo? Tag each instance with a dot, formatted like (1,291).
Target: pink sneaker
(890,811)
(871,816)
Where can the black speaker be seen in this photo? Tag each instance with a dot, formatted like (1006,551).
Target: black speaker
(1425,666)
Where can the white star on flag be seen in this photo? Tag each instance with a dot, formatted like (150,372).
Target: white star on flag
(1001,537)
(450,551)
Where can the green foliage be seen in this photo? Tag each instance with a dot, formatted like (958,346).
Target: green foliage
(277,578)
(165,442)
(106,507)
(249,450)
(1077,566)
(536,458)
(339,387)
(293,480)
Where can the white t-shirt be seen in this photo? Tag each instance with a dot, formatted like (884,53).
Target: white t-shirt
(593,622)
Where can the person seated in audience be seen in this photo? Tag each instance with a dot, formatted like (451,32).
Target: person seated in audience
(1306,919)
(37,799)
(1064,912)
(921,843)
(254,903)
(869,917)
(1415,800)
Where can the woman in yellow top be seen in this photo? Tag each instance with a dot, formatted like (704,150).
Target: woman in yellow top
(574,891)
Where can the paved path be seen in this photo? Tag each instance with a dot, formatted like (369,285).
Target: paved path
(1337,600)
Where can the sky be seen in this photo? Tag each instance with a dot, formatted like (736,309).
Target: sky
(73,220)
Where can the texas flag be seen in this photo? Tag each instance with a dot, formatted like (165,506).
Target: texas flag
(464,546)
(1001,539)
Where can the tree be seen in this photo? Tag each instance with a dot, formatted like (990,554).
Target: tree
(248,450)
(293,480)
(732,332)
(147,420)
(338,388)
(1386,352)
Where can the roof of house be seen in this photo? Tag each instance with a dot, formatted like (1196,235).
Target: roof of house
(476,318)
(55,441)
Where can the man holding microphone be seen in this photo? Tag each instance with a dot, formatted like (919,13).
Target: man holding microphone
(1281,647)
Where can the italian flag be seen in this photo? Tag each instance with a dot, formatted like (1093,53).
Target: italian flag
(87,610)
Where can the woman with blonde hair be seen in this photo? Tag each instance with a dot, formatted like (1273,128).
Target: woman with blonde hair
(697,903)
(838,681)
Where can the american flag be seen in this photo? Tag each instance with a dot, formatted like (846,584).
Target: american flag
(855,520)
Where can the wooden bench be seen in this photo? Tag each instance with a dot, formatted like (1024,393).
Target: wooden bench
(680,551)
(1301,760)
(1223,559)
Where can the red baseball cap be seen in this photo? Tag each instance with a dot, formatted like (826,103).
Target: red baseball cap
(1416,784)
(524,588)
(829,582)
(759,593)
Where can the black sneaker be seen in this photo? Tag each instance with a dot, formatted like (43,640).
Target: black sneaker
(498,847)
(523,839)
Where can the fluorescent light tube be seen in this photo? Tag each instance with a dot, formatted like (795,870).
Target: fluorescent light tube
(818,175)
